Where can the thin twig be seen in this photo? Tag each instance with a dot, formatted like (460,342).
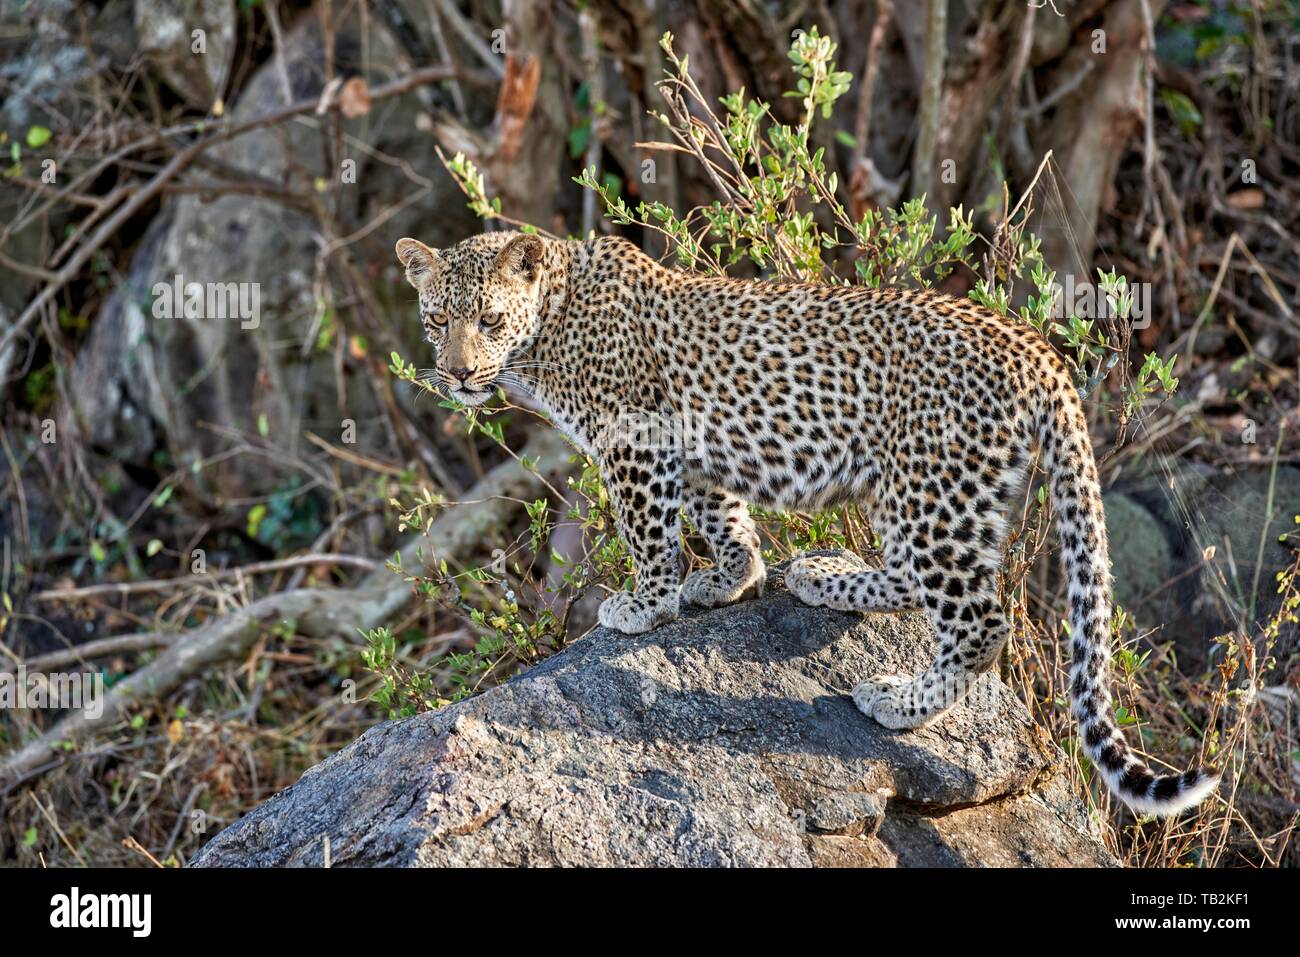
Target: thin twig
(162,584)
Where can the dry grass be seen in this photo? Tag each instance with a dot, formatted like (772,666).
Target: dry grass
(1239,715)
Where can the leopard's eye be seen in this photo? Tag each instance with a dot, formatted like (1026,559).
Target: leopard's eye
(491,321)
(437,320)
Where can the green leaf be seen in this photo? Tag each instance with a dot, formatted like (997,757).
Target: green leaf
(254,521)
(1182,110)
(38,136)
(578,139)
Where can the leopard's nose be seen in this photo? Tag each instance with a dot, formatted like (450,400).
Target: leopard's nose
(461,373)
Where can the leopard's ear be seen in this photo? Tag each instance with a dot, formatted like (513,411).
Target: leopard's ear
(521,258)
(420,261)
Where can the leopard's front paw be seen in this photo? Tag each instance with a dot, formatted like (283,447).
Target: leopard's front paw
(632,614)
(711,588)
(889,700)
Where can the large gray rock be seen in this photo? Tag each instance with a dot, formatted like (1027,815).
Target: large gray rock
(1195,551)
(50,54)
(194,66)
(725,738)
(1142,560)
(147,380)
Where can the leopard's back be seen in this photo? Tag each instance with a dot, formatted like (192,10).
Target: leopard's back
(798,395)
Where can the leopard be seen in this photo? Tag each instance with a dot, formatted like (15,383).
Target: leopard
(703,397)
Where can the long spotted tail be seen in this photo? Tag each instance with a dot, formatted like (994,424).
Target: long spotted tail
(1081,527)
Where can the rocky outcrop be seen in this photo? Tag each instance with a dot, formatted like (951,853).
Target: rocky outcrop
(725,738)
(190,43)
(1195,552)
(260,352)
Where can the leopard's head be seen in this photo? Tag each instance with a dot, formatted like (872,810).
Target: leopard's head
(481,304)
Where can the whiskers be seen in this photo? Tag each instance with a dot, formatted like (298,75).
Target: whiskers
(519,381)
(525,374)
(431,381)
(538,365)
(523,378)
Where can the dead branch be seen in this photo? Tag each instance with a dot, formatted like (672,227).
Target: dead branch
(318,611)
(161,584)
(177,164)
(102,648)
(864,175)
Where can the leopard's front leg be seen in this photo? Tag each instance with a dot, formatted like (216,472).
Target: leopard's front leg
(645,489)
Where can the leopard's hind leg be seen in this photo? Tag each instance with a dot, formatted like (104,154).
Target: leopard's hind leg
(846,583)
(723,520)
(956,570)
